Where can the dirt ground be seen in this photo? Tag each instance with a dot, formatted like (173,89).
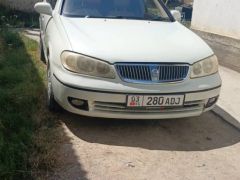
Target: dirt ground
(205,147)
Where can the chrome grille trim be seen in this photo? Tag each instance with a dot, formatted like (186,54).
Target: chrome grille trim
(121,107)
(144,73)
(149,110)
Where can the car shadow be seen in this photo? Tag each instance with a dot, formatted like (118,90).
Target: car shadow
(202,133)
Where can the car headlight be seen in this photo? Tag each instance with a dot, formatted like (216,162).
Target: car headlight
(86,65)
(205,67)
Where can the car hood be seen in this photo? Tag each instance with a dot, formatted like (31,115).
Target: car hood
(121,40)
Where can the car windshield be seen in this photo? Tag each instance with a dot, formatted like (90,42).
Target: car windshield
(119,9)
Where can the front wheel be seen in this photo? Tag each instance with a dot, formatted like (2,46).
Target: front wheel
(51,102)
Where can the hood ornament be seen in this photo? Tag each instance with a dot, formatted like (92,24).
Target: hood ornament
(155,72)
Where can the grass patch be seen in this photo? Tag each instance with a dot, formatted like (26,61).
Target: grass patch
(15,18)
(24,120)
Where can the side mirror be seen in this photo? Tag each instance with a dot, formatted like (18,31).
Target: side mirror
(43,8)
(177,15)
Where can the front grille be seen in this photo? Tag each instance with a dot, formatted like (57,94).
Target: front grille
(122,108)
(152,73)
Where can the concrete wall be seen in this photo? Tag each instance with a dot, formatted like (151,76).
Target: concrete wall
(23,5)
(217,16)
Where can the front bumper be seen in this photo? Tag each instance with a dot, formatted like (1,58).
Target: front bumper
(112,103)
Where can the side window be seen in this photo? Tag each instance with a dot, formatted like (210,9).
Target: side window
(52,2)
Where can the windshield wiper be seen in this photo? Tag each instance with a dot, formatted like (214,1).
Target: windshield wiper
(117,17)
(159,18)
(124,17)
(156,18)
(89,16)
(110,17)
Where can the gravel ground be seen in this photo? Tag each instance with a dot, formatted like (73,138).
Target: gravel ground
(204,147)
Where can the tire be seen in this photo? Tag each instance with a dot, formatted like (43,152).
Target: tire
(41,51)
(52,105)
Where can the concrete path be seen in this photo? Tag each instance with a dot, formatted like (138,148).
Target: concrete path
(32,34)
(229,100)
(198,148)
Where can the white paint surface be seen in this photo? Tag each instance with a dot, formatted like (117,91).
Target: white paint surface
(125,40)
(217,16)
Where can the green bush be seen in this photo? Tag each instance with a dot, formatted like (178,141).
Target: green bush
(15,18)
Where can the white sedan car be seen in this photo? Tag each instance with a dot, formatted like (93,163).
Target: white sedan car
(126,59)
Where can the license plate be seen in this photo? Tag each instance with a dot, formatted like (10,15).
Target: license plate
(154,101)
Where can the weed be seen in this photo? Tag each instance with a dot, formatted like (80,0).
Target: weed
(21,98)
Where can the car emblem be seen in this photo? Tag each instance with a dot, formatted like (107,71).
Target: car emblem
(155,73)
